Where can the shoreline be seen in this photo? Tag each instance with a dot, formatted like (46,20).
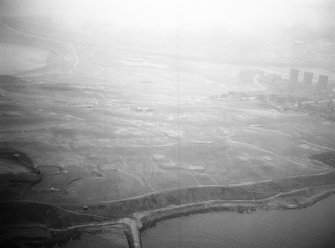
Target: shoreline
(151,218)
(137,214)
(133,226)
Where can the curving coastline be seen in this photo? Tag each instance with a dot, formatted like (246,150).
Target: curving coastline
(62,56)
(177,197)
(139,213)
(288,190)
(299,199)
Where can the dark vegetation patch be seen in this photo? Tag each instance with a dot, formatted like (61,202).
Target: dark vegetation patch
(12,83)
(56,177)
(9,107)
(27,213)
(11,122)
(53,87)
(13,183)
(18,157)
(327,158)
(50,169)
(40,237)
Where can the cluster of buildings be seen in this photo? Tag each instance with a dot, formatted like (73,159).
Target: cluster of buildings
(307,82)
(307,79)
(305,92)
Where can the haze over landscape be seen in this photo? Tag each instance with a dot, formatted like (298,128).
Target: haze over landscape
(116,115)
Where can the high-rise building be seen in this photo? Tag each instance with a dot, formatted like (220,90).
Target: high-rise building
(294,73)
(308,78)
(275,79)
(323,81)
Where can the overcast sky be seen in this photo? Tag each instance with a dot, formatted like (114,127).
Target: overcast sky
(192,14)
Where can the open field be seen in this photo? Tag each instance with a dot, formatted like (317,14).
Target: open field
(97,131)
(125,123)
(102,138)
